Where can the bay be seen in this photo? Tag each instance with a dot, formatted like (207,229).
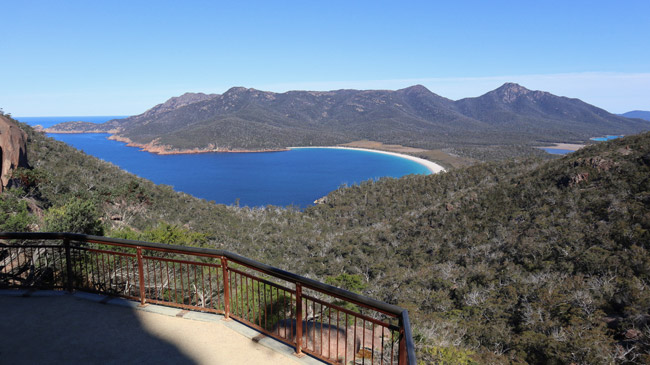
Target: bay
(295,177)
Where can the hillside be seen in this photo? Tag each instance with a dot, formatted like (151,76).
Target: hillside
(640,114)
(249,119)
(520,261)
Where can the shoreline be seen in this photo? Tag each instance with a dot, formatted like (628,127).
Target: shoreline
(153,147)
(564,146)
(430,165)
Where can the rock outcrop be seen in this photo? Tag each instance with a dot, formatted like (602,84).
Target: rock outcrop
(13,150)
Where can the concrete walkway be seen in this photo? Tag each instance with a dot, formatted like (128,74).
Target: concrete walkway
(50,327)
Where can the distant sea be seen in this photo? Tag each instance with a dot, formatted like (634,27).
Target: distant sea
(47,122)
(296,177)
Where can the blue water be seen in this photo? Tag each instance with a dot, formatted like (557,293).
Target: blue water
(296,177)
(603,139)
(47,122)
(557,151)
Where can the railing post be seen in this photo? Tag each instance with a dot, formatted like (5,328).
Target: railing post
(141,273)
(226,288)
(299,321)
(68,265)
(402,358)
(406,347)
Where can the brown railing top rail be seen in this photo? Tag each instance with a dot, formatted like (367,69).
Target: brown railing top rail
(391,309)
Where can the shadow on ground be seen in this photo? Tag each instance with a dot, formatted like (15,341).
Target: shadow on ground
(63,329)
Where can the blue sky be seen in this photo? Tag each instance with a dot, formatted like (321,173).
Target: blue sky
(122,57)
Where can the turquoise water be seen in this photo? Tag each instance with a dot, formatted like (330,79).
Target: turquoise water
(603,139)
(557,151)
(295,177)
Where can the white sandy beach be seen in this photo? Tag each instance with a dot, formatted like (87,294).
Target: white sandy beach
(432,166)
(565,146)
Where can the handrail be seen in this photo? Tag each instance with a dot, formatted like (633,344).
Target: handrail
(407,349)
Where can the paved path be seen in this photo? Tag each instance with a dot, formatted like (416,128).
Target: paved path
(58,328)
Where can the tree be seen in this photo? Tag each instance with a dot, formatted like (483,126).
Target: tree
(76,216)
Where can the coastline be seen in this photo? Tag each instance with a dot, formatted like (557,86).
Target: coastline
(154,147)
(430,165)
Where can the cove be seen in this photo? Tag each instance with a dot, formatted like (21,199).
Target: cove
(296,177)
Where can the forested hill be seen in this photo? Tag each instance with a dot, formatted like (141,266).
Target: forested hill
(252,119)
(519,261)
(640,114)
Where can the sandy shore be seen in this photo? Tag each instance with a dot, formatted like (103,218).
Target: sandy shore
(432,166)
(565,146)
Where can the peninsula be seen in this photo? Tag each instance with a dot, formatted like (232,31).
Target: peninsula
(244,120)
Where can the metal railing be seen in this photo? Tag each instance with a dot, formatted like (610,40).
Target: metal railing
(332,324)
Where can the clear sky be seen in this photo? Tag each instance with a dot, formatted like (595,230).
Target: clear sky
(122,57)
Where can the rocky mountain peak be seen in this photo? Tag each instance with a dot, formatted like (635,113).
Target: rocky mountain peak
(510,92)
(178,102)
(416,89)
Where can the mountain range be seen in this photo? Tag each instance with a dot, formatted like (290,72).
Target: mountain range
(250,119)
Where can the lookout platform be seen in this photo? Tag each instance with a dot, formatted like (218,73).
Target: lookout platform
(55,327)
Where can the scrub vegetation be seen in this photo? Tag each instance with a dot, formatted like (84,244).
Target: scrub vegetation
(518,261)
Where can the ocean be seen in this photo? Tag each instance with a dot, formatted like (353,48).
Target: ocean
(296,177)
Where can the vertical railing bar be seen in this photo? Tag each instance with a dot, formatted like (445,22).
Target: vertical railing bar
(82,271)
(60,253)
(145,269)
(226,287)
(114,278)
(347,335)
(288,313)
(180,268)
(216,273)
(329,333)
(203,303)
(298,319)
(121,264)
(103,262)
(155,280)
(354,349)
(248,303)
(234,290)
(266,316)
(96,282)
(170,281)
(313,311)
(18,259)
(382,345)
(277,297)
(189,286)
(392,347)
(240,294)
(161,293)
(128,276)
(202,296)
(258,305)
(210,286)
(363,342)
(141,275)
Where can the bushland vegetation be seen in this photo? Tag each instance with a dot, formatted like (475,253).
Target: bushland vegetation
(517,261)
